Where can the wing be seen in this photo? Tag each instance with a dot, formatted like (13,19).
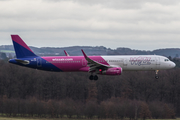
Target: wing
(95,65)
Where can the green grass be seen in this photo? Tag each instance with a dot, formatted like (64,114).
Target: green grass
(21,118)
(162,119)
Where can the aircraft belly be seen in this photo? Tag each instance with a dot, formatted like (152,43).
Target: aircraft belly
(68,67)
(142,67)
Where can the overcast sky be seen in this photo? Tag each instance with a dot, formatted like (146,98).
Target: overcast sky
(136,24)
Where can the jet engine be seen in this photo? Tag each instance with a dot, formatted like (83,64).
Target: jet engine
(112,71)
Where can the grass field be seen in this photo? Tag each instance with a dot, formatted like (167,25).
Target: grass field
(20,118)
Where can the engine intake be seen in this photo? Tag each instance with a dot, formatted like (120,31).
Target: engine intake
(112,71)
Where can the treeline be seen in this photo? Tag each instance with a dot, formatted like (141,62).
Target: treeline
(96,50)
(175,60)
(21,86)
(116,108)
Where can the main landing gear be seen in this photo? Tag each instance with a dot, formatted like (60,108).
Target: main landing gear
(157,76)
(95,77)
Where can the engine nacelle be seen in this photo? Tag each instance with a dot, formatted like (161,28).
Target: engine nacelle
(112,71)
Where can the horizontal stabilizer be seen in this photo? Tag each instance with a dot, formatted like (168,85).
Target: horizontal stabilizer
(25,62)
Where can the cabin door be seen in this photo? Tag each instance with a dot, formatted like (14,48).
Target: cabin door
(157,62)
(39,62)
(125,63)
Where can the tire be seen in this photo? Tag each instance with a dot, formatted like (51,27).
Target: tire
(91,77)
(157,77)
(95,77)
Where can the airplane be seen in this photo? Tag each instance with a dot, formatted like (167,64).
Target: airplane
(102,65)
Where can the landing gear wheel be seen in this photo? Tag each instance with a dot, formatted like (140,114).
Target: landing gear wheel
(91,77)
(156,76)
(95,77)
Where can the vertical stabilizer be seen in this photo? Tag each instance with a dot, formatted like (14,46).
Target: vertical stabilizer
(20,47)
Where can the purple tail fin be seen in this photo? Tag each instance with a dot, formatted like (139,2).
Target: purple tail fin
(20,47)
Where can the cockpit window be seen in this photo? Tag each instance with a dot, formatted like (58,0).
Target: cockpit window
(166,59)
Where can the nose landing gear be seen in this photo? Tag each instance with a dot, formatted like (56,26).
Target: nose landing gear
(157,76)
(95,77)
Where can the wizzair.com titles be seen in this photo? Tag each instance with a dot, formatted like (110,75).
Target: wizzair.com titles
(62,59)
(140,61)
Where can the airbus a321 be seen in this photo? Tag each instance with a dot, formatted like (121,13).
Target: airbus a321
(102,65)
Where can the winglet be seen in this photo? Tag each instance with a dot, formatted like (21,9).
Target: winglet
(66,53)
(84,53)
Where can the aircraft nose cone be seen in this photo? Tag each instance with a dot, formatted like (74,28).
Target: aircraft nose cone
(173,64)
